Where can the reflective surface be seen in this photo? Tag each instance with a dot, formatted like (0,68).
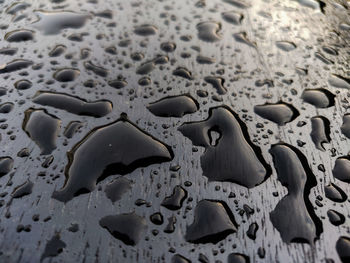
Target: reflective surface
(174,131)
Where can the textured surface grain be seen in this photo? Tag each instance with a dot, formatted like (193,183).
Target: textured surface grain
(133,53)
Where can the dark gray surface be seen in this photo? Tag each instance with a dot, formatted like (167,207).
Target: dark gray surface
(243,60)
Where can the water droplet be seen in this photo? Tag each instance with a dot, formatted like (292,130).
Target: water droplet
(335,217)
(253,228)
(168,46)
(237,3)
(145,68)
(232,17)
(96,69)
(116,148)
(177,258)
(51,23)
(145,30)
(72,128)
(16,7)
(117,188)
(321,57)
(237,258)
(280,112)
(205,60)
(73,104)
(345,128)
(335,193)
(53,247)
(9,51)
(286,45)
(23,84)
(343,248)
(57,51)
(42,128)
(174,202)
(6,165)
(6,107)
(242,37)
(341,169)
(338,81)
(23,189)
(170,227)
(128,228)
(15,65)
(174,106)
(217,83)
(157,218)
(66,74)
(209,31)
(294,216)
(234,158)
(320,98)
(213,222)
(19,35)
(183,72)
(320,133)
(117,83)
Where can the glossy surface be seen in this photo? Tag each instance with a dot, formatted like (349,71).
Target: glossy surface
(174,131)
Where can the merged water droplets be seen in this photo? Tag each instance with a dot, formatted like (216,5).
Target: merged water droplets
(98,70)
(73,104)
(116,148)
(183,72)
(233,157)
(174,202)
(42,128)
(217,83)
(294,216)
